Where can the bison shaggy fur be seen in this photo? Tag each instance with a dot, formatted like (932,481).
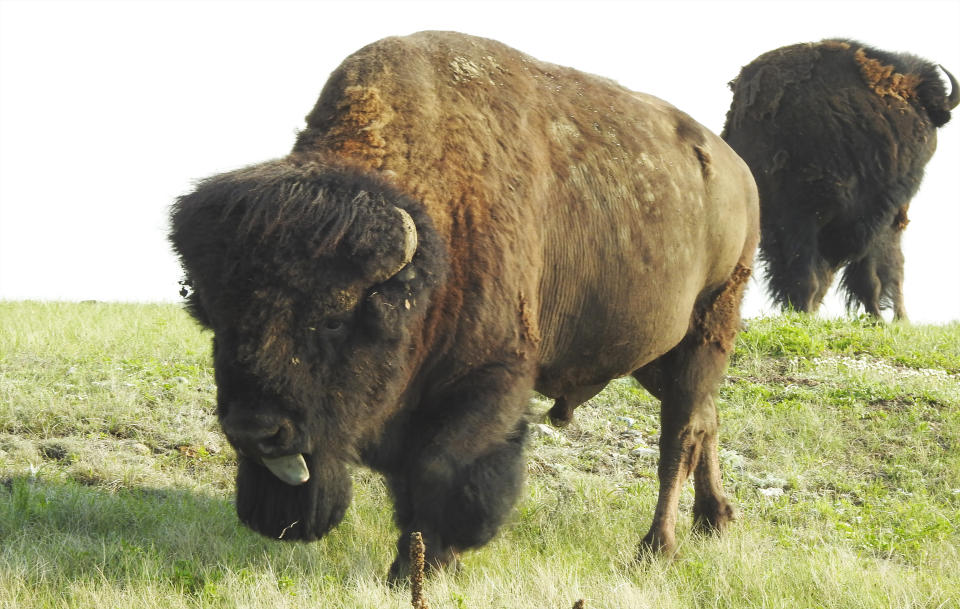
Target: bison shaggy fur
(837,135)
(458,225)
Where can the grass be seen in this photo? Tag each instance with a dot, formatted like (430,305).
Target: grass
(840,445)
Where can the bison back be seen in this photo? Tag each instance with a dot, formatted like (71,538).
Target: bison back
(831,132)
(580,217)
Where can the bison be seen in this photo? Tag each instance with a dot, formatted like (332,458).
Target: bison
(837,135)
(458,225)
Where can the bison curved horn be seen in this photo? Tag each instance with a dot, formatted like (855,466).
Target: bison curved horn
(291,469)
(410,241)
(954,98)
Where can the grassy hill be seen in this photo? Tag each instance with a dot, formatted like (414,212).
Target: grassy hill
(840,445)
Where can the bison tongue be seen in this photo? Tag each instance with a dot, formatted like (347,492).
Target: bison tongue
(291,469)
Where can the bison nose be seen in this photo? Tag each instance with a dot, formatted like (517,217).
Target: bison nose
(259,436)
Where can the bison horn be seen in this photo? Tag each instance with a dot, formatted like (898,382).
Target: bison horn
(954,98)
(410,242)
(291,469)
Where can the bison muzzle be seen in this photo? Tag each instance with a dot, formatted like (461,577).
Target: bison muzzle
(458,225)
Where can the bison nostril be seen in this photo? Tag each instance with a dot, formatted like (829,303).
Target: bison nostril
(257,437)
(274,440)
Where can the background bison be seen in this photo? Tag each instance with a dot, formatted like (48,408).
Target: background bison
(837,135)
(458,225)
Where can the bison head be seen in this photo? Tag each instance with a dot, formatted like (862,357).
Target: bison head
(314,281)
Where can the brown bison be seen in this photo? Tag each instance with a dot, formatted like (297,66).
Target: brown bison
(458,225)
(837,135)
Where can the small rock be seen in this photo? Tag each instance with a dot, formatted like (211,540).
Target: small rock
(768,482)
(140,448)
(732,458)
(627,421)
(540,429)
(643,451)
(771,492)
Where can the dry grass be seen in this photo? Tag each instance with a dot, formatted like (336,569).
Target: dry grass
(840,445)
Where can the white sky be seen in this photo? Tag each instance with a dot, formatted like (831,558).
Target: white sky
(109,110)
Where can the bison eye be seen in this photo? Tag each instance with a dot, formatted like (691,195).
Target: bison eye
(327,338)
(333,326)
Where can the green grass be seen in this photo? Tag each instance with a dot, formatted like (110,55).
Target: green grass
(840,445)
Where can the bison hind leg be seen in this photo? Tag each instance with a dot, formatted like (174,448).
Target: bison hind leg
(797,275)
(876,279)
(862,286)
(685,380)
(561,414)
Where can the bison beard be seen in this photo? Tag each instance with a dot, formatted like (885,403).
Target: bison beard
(305,512)
(432,251)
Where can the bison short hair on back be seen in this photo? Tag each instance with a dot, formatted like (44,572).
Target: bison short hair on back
(837,135)
(458,225)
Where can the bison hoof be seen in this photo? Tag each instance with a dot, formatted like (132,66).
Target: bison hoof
(560,417)
(657,546)
(715,519)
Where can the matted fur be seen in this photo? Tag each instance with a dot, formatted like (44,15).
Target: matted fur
(571,231)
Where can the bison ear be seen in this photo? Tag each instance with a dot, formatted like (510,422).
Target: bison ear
(386,248)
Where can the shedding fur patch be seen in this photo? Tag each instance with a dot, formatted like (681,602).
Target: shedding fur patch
(901,220)
(531,334)
(357,133)
(836,45)
(719,323)
(884,80)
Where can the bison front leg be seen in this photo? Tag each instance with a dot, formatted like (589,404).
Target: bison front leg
(463,471)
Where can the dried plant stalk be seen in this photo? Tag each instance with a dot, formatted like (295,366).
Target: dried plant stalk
(417,554)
